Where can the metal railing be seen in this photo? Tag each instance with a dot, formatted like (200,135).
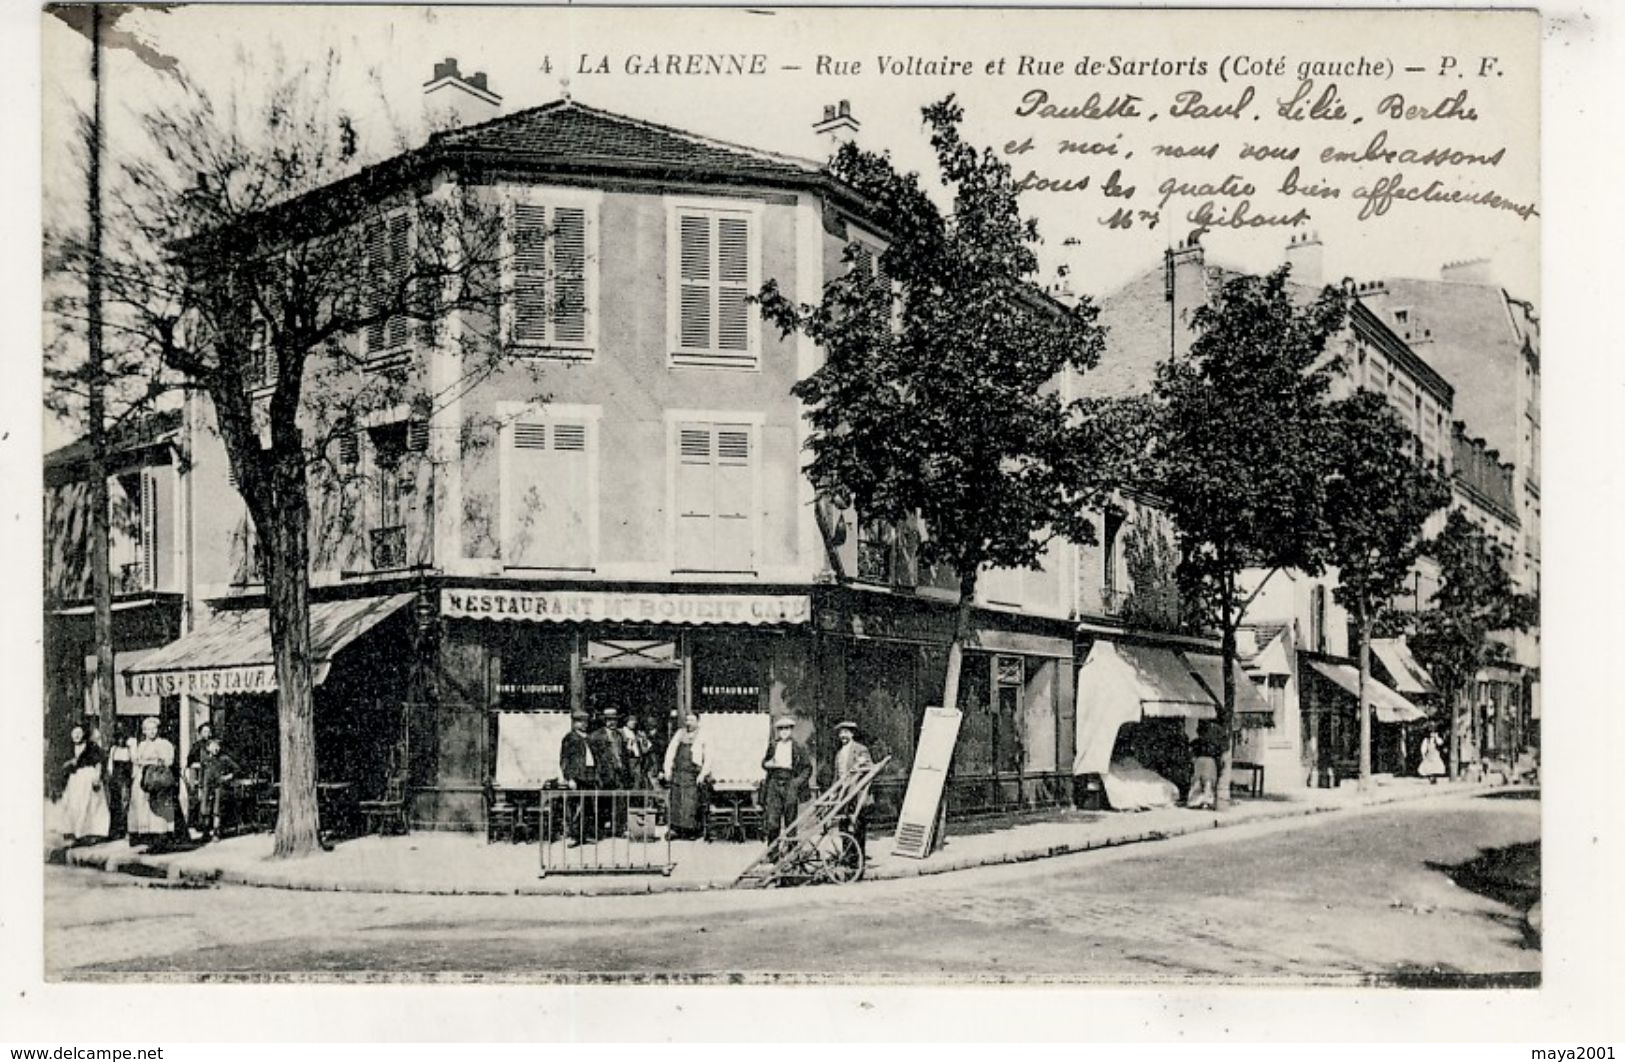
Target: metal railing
(604,831)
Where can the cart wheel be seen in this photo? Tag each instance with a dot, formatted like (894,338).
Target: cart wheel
(843,858)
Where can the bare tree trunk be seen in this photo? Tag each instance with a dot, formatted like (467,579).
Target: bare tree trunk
(950,685)
(285,556)
(101,588)
(1364,707)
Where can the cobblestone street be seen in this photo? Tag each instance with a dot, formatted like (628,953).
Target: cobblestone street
(1362,895)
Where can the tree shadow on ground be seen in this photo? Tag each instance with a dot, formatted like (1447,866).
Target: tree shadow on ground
(1508,875)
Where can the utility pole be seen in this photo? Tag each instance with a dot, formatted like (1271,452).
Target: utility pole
(100,576)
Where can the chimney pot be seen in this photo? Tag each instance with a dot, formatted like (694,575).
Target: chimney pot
(829,112)
(477,80)
(845,108)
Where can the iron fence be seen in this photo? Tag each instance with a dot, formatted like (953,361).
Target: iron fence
(604,831)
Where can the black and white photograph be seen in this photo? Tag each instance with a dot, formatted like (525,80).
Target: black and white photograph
(790,496)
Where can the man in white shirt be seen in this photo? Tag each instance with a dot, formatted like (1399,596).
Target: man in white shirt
(788,767)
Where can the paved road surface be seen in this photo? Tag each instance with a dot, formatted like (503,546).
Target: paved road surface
(1354,895)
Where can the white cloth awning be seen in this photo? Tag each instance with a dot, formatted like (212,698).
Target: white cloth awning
(1409,676)
(1389,706)
(231,651)
(588,606)
(1121,684)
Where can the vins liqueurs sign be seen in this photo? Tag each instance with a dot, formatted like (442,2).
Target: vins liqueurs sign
(574,606)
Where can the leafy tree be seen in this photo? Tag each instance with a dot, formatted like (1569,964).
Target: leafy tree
(1378,497)
(935,397)
(259,261)
(1153,571)
(1475,599)
(1239,451)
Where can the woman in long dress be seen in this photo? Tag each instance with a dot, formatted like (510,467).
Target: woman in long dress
(1432,765)
(152,813)
(84,802)
(686,769)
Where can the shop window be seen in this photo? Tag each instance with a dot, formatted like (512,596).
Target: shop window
(1009,689)
(549,494)
(715,485)
(532,674)
(729,674)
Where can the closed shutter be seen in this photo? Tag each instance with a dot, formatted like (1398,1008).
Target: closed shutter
(549,493)
(570,275)
(715,488)
(697,284)
(735,537)
(715,275)
(733,292)
(388,250)
(696,497)
(149,531)
(530,273)
(549,295)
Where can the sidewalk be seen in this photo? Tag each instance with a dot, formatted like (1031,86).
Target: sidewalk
(464,864)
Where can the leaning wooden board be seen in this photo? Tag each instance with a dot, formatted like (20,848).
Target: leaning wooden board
(938,734)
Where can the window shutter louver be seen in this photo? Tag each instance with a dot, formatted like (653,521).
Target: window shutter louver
(734,543)
(548,497)
(376,249)
(694,328)
(417,435)
(733,291)
(530,436)
(715,485)
(400,262)
(149,531)
(570,275)
(530,273)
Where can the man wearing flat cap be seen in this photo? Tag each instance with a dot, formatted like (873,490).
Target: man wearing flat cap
(788,767)
(851,759)
(578,762)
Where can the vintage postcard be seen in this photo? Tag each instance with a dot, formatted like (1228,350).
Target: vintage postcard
(792,495)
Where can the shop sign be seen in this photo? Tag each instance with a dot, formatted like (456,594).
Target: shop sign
(255,679)
(578,606)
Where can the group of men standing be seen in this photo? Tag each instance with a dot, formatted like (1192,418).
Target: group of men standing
(617,755)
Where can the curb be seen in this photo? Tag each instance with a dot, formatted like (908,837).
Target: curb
(140,866)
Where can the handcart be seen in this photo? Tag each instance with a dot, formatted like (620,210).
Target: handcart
(816,848)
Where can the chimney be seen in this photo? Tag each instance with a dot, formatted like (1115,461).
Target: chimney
(1306,256)
(452,99)
(1184,278)
(837,126)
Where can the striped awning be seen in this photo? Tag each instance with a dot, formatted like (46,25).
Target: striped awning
(1164,683)
(1389,706)
(1407,675)
(231,651)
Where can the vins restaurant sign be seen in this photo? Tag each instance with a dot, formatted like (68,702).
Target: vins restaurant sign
(586,606)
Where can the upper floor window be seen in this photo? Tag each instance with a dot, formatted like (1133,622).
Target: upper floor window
(551,290)
(549,489)
(714,497)
(1317,618)
(714,263)
(388,267)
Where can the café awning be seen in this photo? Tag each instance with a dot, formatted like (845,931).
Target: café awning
(231,651)
(1120,684)
(1409,676)
(586,606)
(1210,669)
(1389,706)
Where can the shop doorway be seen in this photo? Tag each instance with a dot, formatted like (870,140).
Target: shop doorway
(649,693)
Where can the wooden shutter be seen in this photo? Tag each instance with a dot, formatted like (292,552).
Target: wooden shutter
(733,290)
(388,250)
(696,497)
(570,275)
(376,248)
(549,495)
(735,486)
(149,531)
(400,260)
(530,309)
(697,283)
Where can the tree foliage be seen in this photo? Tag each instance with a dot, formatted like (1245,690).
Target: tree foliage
(1239,457)
(1475,599)
(935,396)
(258,260)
